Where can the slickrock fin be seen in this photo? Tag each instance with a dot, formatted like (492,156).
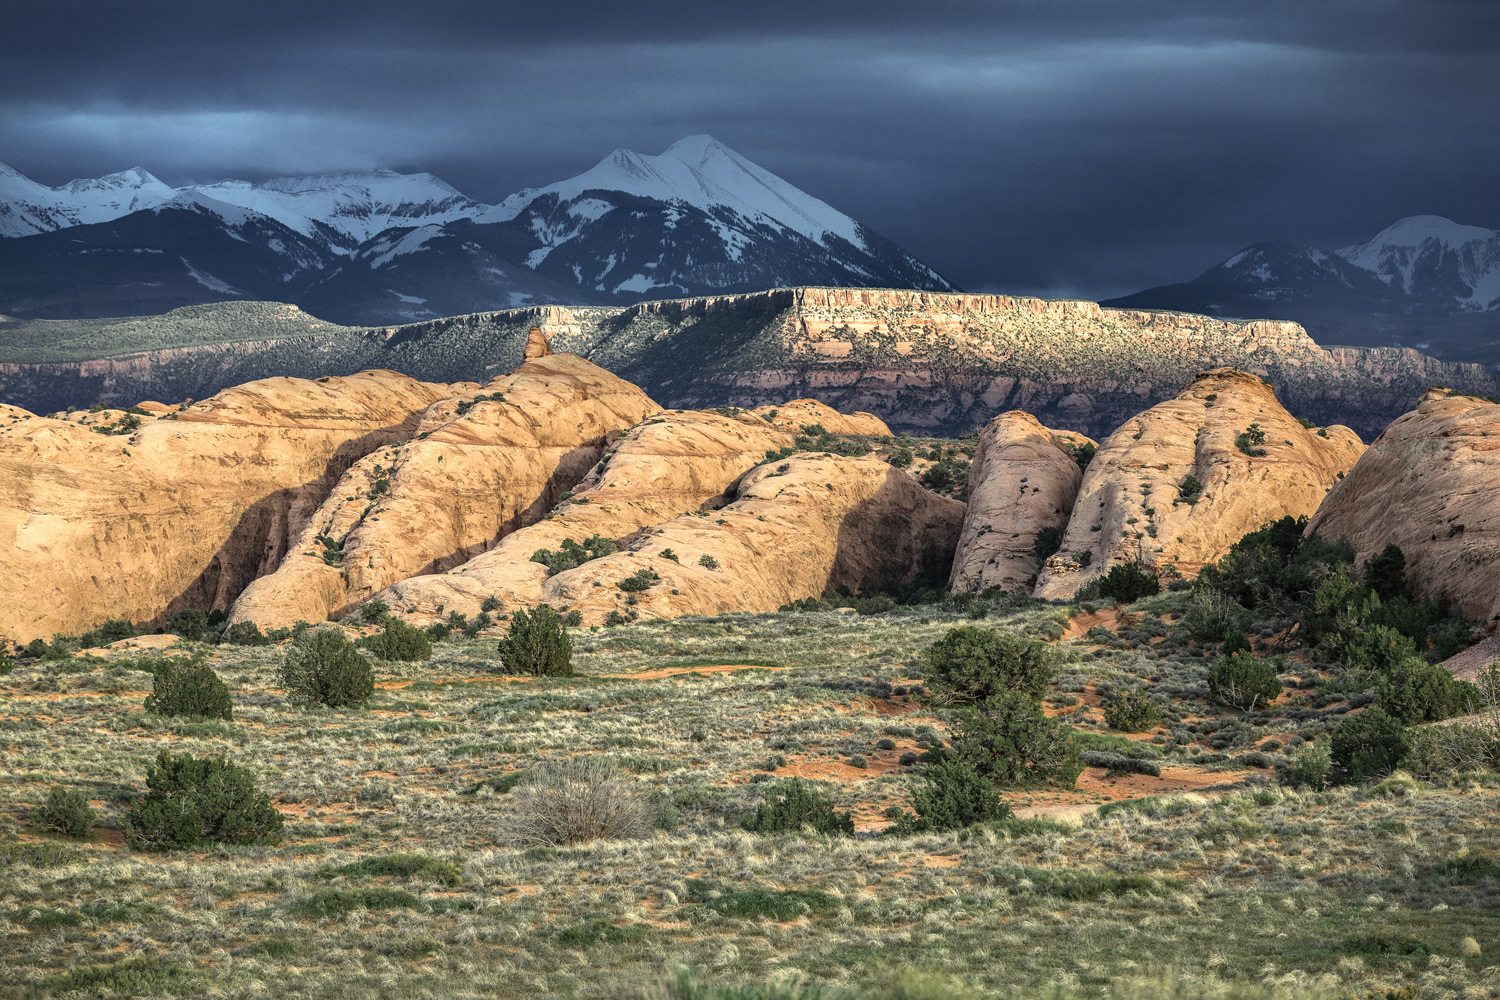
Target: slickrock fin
(1023,480)
(675,462)
(1429,484)
(481,464)
(185,509)
(1138,502)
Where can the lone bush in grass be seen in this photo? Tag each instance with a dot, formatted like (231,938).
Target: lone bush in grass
(1308,768)
(971,664)
(1366,745)
(949,795)
(191,688)
(66,811)
(1011,742)
(399,641)
(245,634)
(795,804)
(577,801)
(196,800)
(537,645)
(1241,681)
(1134,711)
(323,668)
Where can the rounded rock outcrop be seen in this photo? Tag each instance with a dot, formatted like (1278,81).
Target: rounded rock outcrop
(1175,486)
(1429,484)
(1022,485)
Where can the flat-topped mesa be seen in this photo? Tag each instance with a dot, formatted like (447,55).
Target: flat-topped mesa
(1022,485)
(481,464)
(673,462)
(184,510)
(818,523)
(1180,483)
(1428,484)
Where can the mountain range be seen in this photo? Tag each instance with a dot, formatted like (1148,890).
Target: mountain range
(385,247)
(1424,281)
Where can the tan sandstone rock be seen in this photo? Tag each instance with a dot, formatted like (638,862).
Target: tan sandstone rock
(801,413)
(1431,484)
(1023,479)
(1130,506)
(826,521)
(477,469)
(672,463)
(536,345)
(187,509)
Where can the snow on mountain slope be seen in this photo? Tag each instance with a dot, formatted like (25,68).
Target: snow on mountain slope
(1430,257)
(702,172)
(355,206)
(27,207)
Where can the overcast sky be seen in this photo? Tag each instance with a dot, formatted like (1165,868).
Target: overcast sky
(1047,147)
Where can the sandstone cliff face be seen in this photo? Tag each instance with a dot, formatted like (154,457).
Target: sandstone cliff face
(183,511)
(1023,480)
(672,463)
(477,468)
(824,522)
(1431,484)
(1133,504)
(924,361)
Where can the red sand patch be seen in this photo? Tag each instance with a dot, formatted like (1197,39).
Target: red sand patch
(1097,785)
(1082,623)
(724,668)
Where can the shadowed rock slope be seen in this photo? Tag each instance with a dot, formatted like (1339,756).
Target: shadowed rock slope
(1431,484)
(1023,480)
(481,465)
(185,509)
(1137,502)
(675,462)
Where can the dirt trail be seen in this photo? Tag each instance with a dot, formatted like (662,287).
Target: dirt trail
(1082,623)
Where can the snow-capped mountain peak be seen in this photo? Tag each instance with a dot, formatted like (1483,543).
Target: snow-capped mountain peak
(701,172)
(1428,256)
(27,207)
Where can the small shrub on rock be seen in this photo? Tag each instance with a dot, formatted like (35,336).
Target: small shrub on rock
(537,645)
(1241,681)
(66,811)
(972,664)
(399,641)
(191,688)
(323,668)
(191,801)
(791,806)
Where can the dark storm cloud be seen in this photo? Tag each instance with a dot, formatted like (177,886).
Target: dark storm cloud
(1072,148)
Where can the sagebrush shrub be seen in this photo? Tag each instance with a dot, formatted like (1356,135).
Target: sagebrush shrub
(195,800)
(537,645)
(948,795)
(577,801)
(795,804)
(7,659)
(972,664)
(1308,768)
(66,811)
(399,641)
(322,667)
(1009,740)
(1241,681)
(191,688)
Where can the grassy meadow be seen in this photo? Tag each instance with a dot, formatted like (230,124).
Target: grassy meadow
(396,876)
